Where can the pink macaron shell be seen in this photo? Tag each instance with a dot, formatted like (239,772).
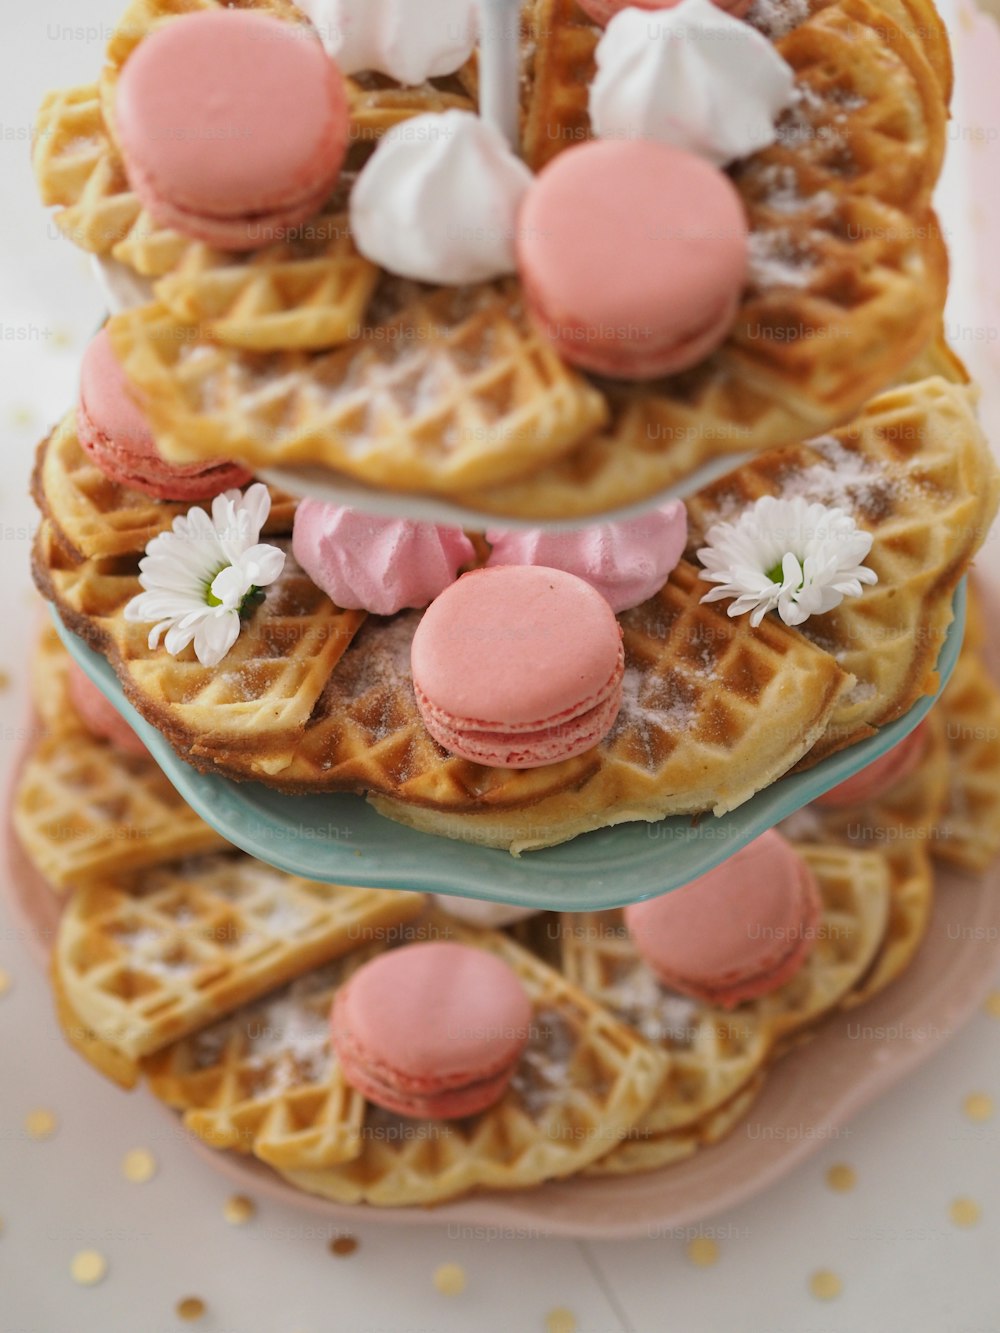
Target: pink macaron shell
(99,716)
(603,11)
(430,1024)
(516,648)
(878,778)
(114,433)
(232,124)
(382,565)
(633,255)
(626,562)
(739,932)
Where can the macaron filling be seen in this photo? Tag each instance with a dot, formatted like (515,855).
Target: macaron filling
(528,745)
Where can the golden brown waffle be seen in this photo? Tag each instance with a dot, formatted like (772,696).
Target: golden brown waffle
(378,103)
(914,469)
(845,290)
(265,1080)
(696,731)
(636,1155)
(970,825)
(79,172)
(622,466)
(84,810)
(904,826)
(580,1085)
(715,1053)
(119,1068)
(255,704)
(310,290)
(146,960)
(93,516)
(48,683)
(456,389)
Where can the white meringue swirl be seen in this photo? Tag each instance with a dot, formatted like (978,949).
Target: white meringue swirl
(438,200)
(691,76)
(409,41)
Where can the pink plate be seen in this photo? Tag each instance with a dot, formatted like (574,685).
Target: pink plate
(810,1094)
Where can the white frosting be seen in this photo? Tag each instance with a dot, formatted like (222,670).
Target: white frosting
(407,40)
(691,76)
(476,912)
(438,200)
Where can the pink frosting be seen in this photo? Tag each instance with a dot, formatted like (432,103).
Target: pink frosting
(878,778)
(381,565)
(626,562)
(740,931)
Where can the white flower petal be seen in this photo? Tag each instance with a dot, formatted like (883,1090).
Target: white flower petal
(215,636)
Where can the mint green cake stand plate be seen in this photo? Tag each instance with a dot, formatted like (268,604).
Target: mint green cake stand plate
(339,838)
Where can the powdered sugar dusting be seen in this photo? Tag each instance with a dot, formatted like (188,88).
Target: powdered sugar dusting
(777,18)
(844,479)
(658,1014)
(777,260)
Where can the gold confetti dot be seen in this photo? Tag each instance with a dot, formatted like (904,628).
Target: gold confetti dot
(965,1212)
(4,680)
(88,1267)
(6,981)
(138,1166)
(978,1106)
(841,1177)
(703,1252)
(450,1279)
(62,338)
(993,1004)
(190,1308)
(560,1321)
(342,1246)
(22,416)
(238,1210)
(824,1285)
(40,1123)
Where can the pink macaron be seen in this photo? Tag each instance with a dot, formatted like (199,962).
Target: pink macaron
(432,1030)
(100,717)
(739,932)
(633,256)
(364,562)
(233,126)
(603,11)
(877,779)
(114,432)
(518,666)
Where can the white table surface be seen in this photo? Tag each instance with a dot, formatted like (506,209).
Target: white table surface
(902,1262)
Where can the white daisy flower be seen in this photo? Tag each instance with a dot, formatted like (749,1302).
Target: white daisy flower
(789,556)
(205,574)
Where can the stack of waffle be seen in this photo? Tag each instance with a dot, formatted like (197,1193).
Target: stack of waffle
(210,977)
